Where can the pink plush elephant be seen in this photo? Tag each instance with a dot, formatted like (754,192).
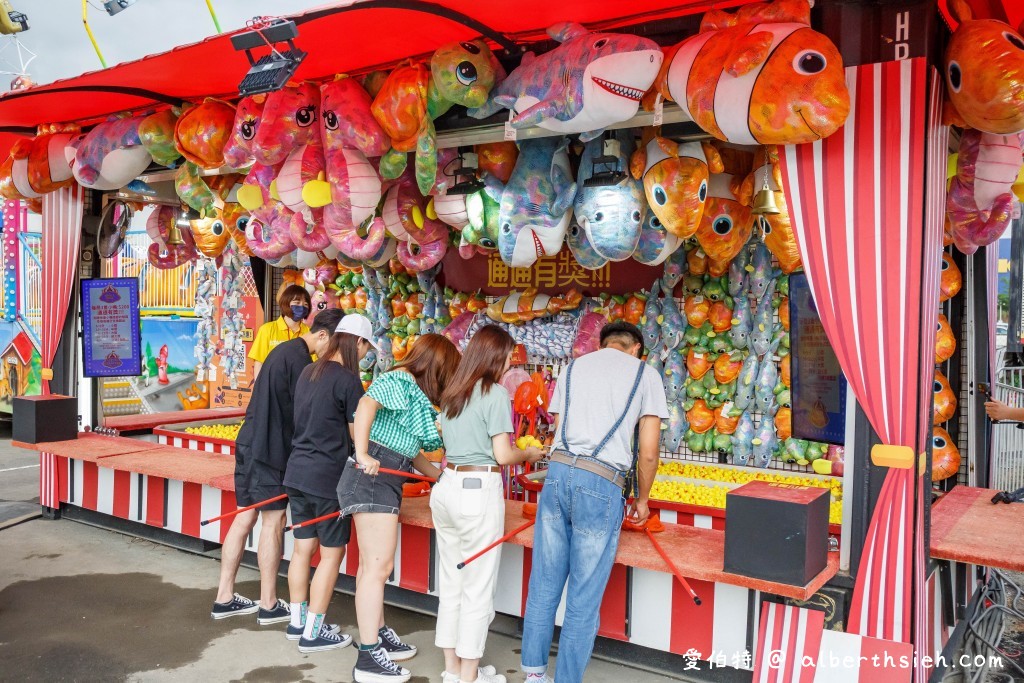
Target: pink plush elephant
(238,153)
(288,121)
(161,254)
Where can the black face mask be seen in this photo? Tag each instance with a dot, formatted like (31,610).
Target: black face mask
(299,312)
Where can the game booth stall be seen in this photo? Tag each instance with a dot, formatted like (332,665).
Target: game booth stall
(794,204)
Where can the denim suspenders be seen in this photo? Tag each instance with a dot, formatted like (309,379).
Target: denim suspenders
(607,437)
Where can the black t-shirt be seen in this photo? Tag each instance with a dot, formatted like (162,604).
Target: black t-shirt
(323,411)
(267,432)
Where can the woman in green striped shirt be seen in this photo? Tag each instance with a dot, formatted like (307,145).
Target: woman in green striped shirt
(394,423)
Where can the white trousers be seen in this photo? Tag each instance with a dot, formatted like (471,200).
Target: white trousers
(466,520)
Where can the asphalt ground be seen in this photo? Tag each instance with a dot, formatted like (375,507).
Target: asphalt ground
(81,603)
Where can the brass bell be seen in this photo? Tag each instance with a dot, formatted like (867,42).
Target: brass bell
(764,203)
(174,236)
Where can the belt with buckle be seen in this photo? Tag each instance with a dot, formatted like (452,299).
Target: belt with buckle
(473,468)
(585,462)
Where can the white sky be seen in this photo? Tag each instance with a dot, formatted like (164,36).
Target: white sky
(56,33)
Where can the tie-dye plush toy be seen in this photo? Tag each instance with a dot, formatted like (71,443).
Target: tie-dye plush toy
(414,95)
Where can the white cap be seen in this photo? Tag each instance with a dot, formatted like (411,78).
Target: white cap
(358,325)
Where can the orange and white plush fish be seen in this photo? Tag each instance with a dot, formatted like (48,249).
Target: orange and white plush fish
(765,55)
(726,224)
(676,181)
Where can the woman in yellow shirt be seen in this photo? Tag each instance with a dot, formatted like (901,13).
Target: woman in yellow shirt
(294,303)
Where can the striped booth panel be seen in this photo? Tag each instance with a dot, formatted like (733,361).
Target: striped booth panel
(664,617)
(414,559)
(693,519)
(196,444)
(173,505)
(794,647)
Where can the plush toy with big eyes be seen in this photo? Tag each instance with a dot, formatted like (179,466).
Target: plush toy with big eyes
(422,239)
(676,180)
(985,72)
(788,78)
(289,120)
(725,226)
(945,455)
(609,211)
(238,153)
(414,95)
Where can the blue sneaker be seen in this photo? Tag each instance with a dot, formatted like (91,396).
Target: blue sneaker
(238,606)
(325,640)
(295,632)
(278,613)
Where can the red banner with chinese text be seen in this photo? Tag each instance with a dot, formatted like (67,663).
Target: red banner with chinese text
(551,275)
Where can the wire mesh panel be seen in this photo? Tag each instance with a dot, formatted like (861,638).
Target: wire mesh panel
(1008,439)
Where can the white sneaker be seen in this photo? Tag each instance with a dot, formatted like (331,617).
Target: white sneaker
(481,675)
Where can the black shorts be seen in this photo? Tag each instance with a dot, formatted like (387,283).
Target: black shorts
(256,481)
(333,533)
(359,492)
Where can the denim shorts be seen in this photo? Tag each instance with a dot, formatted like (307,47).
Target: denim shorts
(359,492)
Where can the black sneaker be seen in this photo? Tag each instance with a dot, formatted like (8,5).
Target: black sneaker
(239,605)
(278,613)
(325,640)
(374,666)
(393,645)
(295,632)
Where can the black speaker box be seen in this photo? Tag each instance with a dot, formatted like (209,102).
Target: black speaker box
(40,419)
(776,532)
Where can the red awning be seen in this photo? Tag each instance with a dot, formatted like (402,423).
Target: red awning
(339,39)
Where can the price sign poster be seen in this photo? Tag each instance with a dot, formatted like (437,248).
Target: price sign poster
(819,387)
(111,337)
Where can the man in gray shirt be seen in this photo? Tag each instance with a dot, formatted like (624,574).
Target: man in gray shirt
(603,401)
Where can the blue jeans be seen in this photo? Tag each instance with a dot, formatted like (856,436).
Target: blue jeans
(577,534)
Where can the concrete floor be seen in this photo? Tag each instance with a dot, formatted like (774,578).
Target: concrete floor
(79,603)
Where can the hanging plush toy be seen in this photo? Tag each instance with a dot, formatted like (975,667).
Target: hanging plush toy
(951,279)
(536,202)
(213,232)
(201,132)
(985,72)
(48,168)
(767,57)
(582,250)
(776,228)
(676,180)
(725,226)
(347,120)
(111,155)
(656,243)
(945,455)
(422,240)
(157,135)
(588,83)
(14,172)
(238,153)
(943,399)
(288,121)
(980,202)
(268,232)
(413,96)
(164,255)
(609,204)
(497,158)
(521,307)
(483,213)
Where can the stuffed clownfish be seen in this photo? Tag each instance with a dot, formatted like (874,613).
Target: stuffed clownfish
(767,55)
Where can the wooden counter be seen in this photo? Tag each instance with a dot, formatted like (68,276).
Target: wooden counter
(968,527)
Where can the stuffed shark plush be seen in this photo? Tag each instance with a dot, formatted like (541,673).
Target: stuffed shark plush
(589,82)
(536,203)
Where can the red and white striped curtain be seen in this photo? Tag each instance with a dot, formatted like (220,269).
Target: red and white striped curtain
(871,242)
(62,236)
